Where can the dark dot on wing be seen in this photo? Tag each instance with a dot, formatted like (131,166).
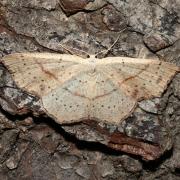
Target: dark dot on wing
(109,107)
(114,106)
(41,87)
(102,105)
(150,81)
(79,80)
(48,87)
(56,99)
(24,64)
(102,81)
(93,106)
(70,106)
(136,85)
(42,80)
(112,75)
(29,73)
(77,105)
(64,105)
(144,84)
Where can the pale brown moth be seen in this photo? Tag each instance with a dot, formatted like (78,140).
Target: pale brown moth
(73,89)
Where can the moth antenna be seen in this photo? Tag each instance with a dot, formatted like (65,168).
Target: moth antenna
(71,52)
(107,50)
(66,49)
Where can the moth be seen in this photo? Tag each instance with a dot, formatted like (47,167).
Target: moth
(72,89)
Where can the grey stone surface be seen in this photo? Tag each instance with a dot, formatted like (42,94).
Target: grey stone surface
(37,148)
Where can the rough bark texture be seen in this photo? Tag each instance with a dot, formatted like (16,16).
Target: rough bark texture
(36,147)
